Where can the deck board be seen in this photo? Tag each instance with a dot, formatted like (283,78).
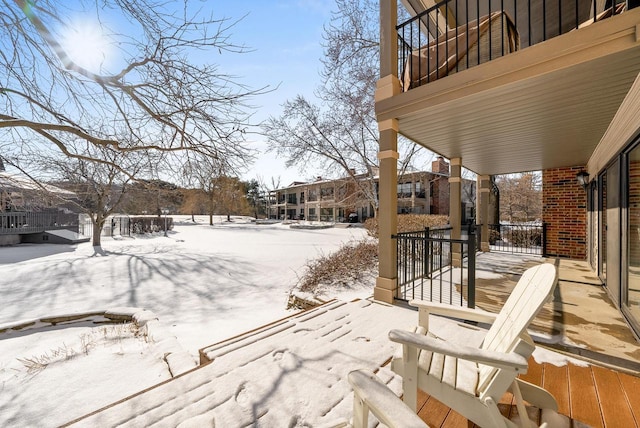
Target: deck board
(584,400)
(433,412)
(455,420)
(534,373)
(615,407)
(631,386)
(556,382)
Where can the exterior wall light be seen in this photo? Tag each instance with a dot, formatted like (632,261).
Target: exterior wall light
(583,179)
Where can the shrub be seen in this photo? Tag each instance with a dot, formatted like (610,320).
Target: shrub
(149,224)
(494,236)
(409,223)
(525,238)
(342,268)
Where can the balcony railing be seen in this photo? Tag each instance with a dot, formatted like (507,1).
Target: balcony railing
(426,270)
(455,35)
(23,222)
(525,238)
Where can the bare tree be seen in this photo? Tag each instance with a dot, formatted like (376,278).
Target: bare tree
(201,172)
(230,196)
(194,202)
(340,133)
(147,196)
(98,187)
(266,191)
(520,196)
(160,94)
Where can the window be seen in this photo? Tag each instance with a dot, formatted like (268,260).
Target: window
(326,193)
(404,190)
(326,214)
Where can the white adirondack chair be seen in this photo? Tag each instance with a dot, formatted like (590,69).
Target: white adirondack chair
(371,395)
(471,380)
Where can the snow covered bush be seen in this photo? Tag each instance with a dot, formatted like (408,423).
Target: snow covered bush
(352,263)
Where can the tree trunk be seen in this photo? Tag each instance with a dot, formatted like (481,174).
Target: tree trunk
(211,209)
(97,230)
(228,217)
(193,219)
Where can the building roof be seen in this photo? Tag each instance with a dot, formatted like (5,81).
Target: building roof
(16,182)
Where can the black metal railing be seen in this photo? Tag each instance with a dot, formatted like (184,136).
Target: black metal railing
(120,226)
(23,222)
(523,238)
(455,35)
(426,268)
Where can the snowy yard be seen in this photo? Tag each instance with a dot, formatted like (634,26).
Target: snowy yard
(204,283)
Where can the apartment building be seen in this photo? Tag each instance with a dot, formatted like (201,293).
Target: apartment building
(344,199)
(522,85)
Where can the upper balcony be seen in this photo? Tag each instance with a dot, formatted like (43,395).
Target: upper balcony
(509,85)
(454,35)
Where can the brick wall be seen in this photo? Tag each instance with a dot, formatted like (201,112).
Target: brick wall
(564,209)
(440,196)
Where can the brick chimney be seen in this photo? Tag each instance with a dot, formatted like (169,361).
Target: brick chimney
(440,166)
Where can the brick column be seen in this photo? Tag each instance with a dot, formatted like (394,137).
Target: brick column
(564,209)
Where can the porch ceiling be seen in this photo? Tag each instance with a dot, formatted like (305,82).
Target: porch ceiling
(545,106)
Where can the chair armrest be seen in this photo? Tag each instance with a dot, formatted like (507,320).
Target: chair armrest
(370,394)
(512,361)
(467,314)
(537,396)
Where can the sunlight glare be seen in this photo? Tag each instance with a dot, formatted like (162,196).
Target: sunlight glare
(87,45)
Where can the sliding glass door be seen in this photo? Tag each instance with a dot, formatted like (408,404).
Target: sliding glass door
(631,281)
(602,226)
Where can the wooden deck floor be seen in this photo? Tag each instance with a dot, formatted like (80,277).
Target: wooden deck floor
(590,396)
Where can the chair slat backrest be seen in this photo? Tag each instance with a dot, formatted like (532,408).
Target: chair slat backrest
(527,298)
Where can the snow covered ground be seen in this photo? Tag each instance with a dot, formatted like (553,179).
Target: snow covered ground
(204,283)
